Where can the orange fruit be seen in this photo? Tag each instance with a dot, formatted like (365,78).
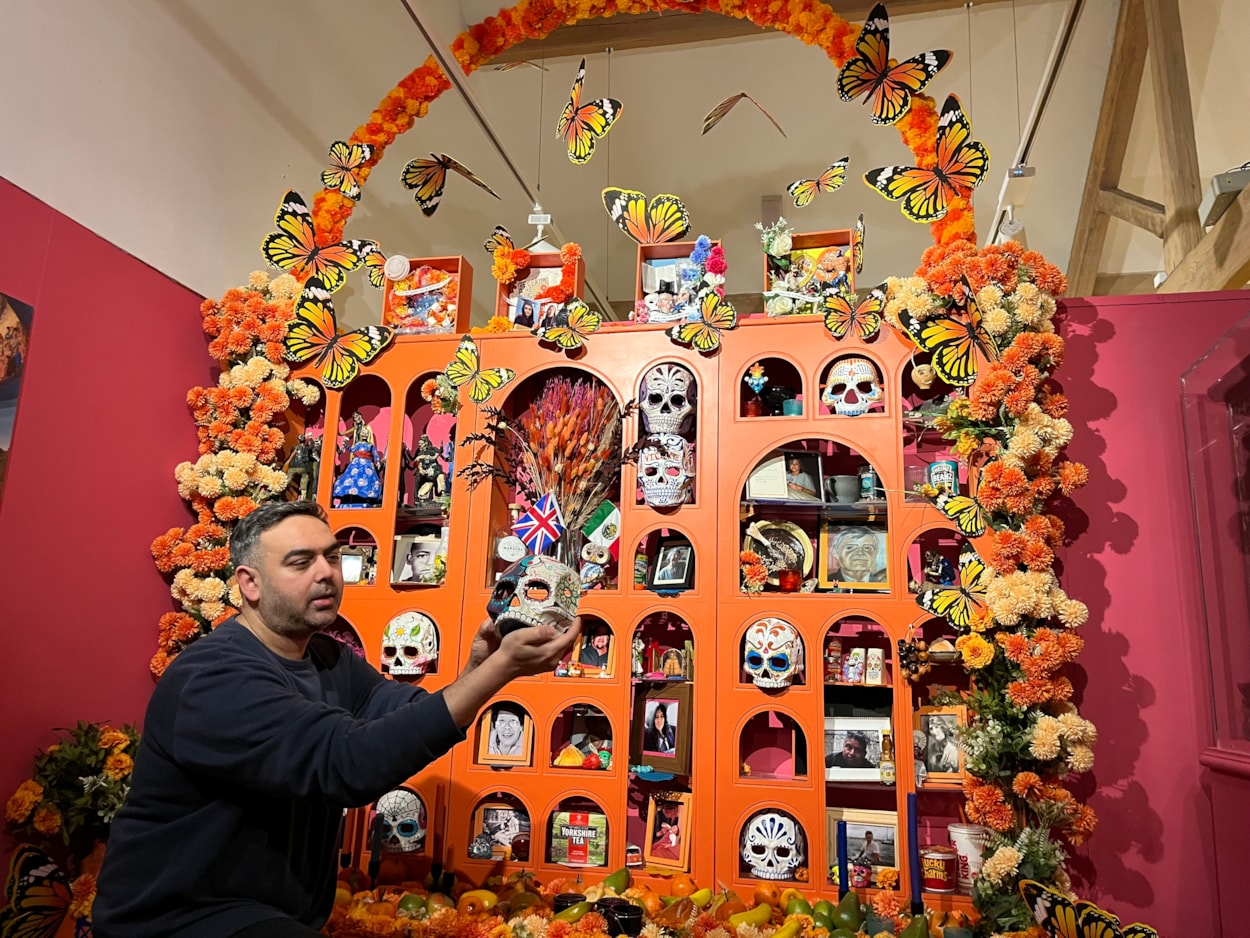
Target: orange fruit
(682,885)
(768,893)
(730,907)
(651,901)
(381,909)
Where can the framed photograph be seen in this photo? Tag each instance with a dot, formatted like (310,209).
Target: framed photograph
(420,560)
(767,481)
(661,728)
(785,536)
(594,652)
(871,838)
(804,481)
(854,556)
(674,565)
(505,736)
(669,830)
(943,759)
(500,822)
(853,748)
(353,565)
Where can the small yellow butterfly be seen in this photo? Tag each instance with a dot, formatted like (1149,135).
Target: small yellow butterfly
(466,368)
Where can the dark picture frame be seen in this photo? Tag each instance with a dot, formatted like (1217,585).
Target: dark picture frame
(676,700)
(810,465)
(673,568)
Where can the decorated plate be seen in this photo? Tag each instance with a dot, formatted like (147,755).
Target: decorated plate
(790,534)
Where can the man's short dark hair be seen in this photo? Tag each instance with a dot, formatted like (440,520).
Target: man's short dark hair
(246,533)
(860,737)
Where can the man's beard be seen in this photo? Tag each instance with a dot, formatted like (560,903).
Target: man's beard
(291,619)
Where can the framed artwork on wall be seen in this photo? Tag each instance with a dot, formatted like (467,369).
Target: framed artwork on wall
(505,736)
(661,729)
(943,759)
(669,829)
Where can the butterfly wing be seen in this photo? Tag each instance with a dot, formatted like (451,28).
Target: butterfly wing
(293,247)
(580,124)
(465,364)
(499,239)
(628,209)
(310,334)
(838,315)
(714,116)
(857,245)
(832,178)
(867,315)
(969,517)
(38,894)
(426,178)
(571,326)
(1096,923)
(1052,910)
(802,191)
(716,316)
(962,161)
(952,343)
(349,350)
(924,194)
(667,219)
(959,605)
(891,95)
(864,72)
(345,160)
(1138,930)
(452,163)
(373,259)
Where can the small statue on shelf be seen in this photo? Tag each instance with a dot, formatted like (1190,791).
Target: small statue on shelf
(303,465)
(595,559)
(407,465)
(431,481)
(639,647)
(360,485)
(938,571)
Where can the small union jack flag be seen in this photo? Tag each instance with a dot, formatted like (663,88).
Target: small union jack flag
(541,526)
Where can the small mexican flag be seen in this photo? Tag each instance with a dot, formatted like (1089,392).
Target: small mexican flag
(604,528)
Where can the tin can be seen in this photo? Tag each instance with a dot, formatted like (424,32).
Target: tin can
(939,868)
(869,484)
(944,475)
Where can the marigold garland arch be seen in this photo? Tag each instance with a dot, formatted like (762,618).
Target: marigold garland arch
(811,21)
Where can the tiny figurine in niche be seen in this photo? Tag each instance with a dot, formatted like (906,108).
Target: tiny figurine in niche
(407,465)
(639,648)
(431,481)
(302,466)
(360,485)
(938,570)
(595,559)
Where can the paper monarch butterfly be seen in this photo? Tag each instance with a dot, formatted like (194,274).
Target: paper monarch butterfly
(345,161)
(804,190)
(293,247)
(663,219)
(857,245)
(38,896)
(959,604)
(499,239)
(961,166)
(953,341)
(466,368)
(428,177)
(374,260)
(313,335)
(966,511)
(580,124)
(841,317)
(715,316)
(1060,917)
(569,327)
(888,87)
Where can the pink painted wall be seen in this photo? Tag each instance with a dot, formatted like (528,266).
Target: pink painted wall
(101,422)
(1144,675)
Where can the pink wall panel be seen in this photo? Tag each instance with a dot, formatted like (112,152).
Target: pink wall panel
(1145,681)
(101,422)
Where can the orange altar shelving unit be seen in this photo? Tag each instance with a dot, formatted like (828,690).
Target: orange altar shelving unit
(715,610)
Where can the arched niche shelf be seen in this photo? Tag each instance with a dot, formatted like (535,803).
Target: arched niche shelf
(772,845)
(578,833)
(772,655)
(665,561)
(359,556)
(816,506)
(772,747)
(662,648)
(368,398)
(852,385)
(304,442)
(345,632)
(504,736)
(933,557)
(580,732)
(856,651)
(779,381)
(428,432)
(596,655)
(500,828)
(410,646)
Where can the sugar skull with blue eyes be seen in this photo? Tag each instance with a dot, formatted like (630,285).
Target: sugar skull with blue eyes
(772,653)
(403,817)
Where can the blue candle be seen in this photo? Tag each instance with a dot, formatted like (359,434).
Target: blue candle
(913,854)
(844,878)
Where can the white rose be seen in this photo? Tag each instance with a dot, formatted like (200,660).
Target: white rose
(781,245)
(779,305)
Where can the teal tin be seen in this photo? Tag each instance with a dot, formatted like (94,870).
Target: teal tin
(944,475)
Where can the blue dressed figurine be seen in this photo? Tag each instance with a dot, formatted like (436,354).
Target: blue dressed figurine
(360,485)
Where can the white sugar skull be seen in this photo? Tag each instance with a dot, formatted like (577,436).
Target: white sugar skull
(772,653)
(667,398)
(772,845)
(854,386)
(403,818)
(532,591)
(409,644)
(666,469)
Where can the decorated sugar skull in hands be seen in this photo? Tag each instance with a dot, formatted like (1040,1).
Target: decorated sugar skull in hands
(533,591)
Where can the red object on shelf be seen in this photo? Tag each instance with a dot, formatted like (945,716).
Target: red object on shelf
(790,581)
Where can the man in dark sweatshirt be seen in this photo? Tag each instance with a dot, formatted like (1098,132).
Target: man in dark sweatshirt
(261,733)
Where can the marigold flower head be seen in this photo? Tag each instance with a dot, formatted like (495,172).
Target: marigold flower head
(976,651)
(47,819)
(118,765)
(23,801)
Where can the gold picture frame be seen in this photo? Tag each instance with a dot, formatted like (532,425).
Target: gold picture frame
(491,748)
(833,535)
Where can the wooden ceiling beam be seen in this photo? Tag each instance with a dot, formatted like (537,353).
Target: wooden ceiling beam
(652,30)
(1174,117)
(1143,213)
(1115,120)
(1221,260)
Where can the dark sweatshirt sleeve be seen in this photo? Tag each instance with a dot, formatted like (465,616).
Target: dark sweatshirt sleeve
(246,724)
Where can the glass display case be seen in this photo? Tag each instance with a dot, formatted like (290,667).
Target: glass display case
(1215,399)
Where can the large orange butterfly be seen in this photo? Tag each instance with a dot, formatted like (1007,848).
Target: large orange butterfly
(38,894)
(953,341)
(580,124)
(427,178)
(663,219)
(888,86)
(345,163)
(857,245)
(841,317)
(313,334)
(961,166)
(804,190)
(716,315)
(293,247)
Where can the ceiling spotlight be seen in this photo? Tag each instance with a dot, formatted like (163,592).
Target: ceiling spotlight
(1012,229)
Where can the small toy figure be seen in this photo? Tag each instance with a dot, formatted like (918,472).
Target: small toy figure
(407,464)
(302,466)
(360,485)
(595,559)
(938,571)
(640,648)
(431,481)
(831,271)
